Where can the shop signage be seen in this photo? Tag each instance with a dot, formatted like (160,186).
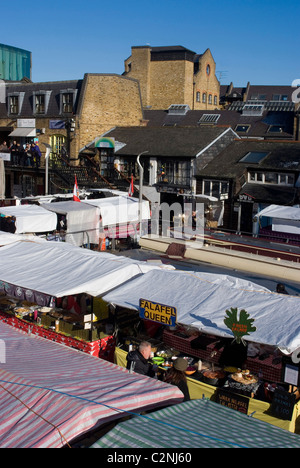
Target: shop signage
(26,123)
(283,404)
(105,142)
(232,400)
(5,156)
(160,313)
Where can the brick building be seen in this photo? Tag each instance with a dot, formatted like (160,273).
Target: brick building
(65,115)
(174,75)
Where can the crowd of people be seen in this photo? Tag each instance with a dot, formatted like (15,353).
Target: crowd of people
(28,155)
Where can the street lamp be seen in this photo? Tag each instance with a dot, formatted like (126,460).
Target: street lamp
(141,189)
(48,151)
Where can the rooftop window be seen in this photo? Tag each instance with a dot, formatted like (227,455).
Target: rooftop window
(254,157)
(242,128)
(209,118)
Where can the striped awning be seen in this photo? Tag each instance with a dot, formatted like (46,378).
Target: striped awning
(51,394)
(197,424)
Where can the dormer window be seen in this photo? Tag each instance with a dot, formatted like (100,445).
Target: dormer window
(67,101)
(41,102)
(15,102)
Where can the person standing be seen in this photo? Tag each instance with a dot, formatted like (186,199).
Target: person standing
(176,376)
(36,153)
(14,153)
(28,155)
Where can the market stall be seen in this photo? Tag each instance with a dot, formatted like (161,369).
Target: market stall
(51,394)
(211,426)
(78,222)
(22,219)
(259,367)
(281,223)
(120,216)
(59,299)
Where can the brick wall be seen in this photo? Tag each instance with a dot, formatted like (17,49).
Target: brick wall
(166,82)
(108,101)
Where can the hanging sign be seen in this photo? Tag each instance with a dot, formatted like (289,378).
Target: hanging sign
(160,313)
(240,326)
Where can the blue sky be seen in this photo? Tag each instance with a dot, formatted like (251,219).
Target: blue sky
(253,40)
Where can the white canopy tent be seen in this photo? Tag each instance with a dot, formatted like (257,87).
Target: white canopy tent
(120,210)
(284,218)
(202,299)
(30,218)
(58,269)
(82,221)
(9,238)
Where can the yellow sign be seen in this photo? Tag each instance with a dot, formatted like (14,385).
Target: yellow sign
(161,313)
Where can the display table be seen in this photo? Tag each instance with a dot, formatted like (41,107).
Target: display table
(199,389)
(267,367)
(103,348)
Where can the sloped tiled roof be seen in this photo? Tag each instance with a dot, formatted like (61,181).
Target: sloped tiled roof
(281,155)
(165,141)
(259,125)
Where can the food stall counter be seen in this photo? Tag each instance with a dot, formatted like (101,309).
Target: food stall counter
(199,389)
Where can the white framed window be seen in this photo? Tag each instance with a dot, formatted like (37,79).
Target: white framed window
(214,188)
(271,178)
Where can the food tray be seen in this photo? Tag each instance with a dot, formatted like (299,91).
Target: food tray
(245,381)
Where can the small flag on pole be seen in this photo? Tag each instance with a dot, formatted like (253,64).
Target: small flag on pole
(131,187)
(76,191)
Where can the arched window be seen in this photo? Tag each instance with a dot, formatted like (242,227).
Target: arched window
(198,96)
(59,149)
(215,100)
(204,97)
(209,99)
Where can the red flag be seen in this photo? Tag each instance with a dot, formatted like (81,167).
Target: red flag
(76,191)
(131,187)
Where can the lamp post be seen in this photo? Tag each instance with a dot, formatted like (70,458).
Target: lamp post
(141,189)
(48,151)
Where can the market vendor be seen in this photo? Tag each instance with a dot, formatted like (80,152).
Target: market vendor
(69,303)
(233,353)
(138,360)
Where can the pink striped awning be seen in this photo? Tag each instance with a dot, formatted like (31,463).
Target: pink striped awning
(51,394)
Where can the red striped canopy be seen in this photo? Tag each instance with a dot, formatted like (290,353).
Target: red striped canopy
(50,394)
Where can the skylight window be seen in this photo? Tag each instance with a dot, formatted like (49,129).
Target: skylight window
(180,109)
(254,157)
(209,118)
(242,128)
(275,129)
(253,109)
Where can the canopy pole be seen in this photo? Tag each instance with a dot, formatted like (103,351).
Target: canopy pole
(141,190)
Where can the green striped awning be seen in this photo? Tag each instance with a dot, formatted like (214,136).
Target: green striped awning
(195,424)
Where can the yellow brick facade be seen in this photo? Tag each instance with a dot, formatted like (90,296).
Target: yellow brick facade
(163,82)
(107,101)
